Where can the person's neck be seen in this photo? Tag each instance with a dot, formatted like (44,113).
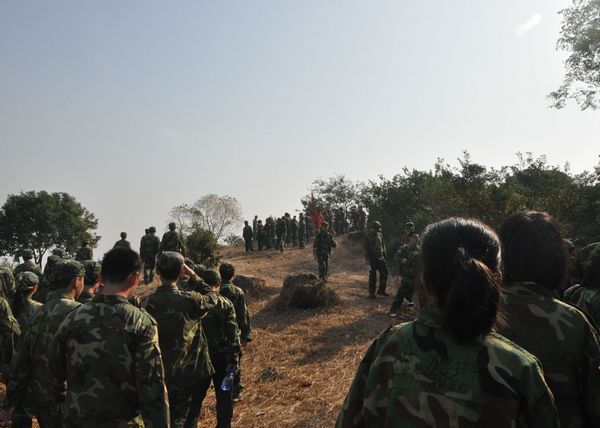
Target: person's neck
(169,282)
(115,290)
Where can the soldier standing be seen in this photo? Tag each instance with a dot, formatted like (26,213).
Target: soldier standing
(322,249)
(255,227)
(123,242)
(294,231)
(281,231)
(375,254)
(172,241)
(28,264)
(7,284)
(91,281)
(23,306)
(247,235)
(260,235)
(149,246)
(301,230)
(85,252)
(408,260)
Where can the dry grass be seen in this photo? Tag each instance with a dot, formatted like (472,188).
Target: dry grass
(298,368)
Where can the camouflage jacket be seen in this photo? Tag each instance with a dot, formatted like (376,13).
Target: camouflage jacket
(149,245)
(222,332)
(567,345)
(236,295)
(108,353)
(7,284)
(416,375)
(181,336)
(374,245)
(85,297)
(301,226)
(30,308)
(323,243)
(84,253)
(28,266)
(9,332)
(247,232)
(407,258)
(281,227)
(172,241)
(122,243)
(586,299)
(32,382)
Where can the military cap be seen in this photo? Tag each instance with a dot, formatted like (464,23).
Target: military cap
(92,271)
(409,225)
(52,259)
(26,281)
(591,255)
(227,268)
(27,254)
(152,229)
(58,252)
(211,277)
(67,269)
(376,225)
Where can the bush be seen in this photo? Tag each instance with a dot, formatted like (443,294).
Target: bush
(201,244)
(233,239)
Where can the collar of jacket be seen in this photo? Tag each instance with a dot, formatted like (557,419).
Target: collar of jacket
(431,317)
(526,288)
(109,298)
(167,287)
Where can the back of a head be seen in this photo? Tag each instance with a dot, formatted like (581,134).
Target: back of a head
(227,271)
(152,229)
(118,265)
(123,235)
(211,277)
(92,272)
(65,271)
(591,266)
(533,249)
(172,226)
(461,262)
(169,265)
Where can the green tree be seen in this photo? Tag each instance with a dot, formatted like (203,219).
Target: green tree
(41,221)
(201,244)
(580,37)
(335,192)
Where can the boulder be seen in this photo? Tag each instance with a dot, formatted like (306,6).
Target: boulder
(304,290)
(250,284)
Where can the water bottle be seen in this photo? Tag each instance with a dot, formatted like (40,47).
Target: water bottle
(227,383)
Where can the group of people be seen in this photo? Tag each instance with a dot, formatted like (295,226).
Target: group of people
(89,353)
(278,233)
(494,343)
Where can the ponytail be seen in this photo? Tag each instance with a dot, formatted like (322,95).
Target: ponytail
(18,304)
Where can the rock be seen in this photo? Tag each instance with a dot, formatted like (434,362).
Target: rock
(250,284)
(304,290)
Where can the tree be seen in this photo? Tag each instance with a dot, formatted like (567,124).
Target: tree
(334,193)
(42,220)
(201,244)
(218,214)
(580,36)
(186,217)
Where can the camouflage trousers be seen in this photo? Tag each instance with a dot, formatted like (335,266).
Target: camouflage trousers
(301,240)
(149,269)
(180,398)
(405,291)
(378,265)
(323,261)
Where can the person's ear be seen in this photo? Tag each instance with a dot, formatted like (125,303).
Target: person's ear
(134,279)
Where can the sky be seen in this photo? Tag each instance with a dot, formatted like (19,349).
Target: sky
(134,107)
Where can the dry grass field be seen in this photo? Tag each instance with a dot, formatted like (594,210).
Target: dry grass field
(298,368)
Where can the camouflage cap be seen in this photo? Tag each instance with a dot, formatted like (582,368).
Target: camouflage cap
(376,225)
(591,255)
(92,271)
(152,229)
(58,252)
(211,277)
(27,253)
(409,225)
(67,269)
(26,281)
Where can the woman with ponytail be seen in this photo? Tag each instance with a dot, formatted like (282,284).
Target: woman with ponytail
(536,264)
(447,368)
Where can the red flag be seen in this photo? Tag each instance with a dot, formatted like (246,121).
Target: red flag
(316,217)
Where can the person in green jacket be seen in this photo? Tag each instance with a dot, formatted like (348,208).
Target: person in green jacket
(586,296)
(448,368)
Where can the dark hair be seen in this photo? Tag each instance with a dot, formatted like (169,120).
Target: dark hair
(169,265)
(119,263)
(211,277)
(227,271)
(461,267)
(18,303)
(123,235)
(534,250)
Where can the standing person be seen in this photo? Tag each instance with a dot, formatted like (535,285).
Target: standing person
(260,235)
(236,296)
(281,231)
(23,306)
(181,337)
(149,246)
(408,260)
(375,254)
(322,249)
(294,231)
(223,340)
(301,230)
(255,227)
(586,296)
(85,252)
(107,351)
(28,264)
(172,241)
(123,242)
(32,383)
(447,368)
(91,282)
(7,283)
(558,334)
(247,234)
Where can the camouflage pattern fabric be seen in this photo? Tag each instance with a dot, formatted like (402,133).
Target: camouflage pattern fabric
(236,296)
(27,266)
(374,246)
(149,245)
(9,332)
(7,284)
(222,334)
(407,258)
(565,342)
(32,382)
(30,308)
(122,243)
(172,241)
(84,253)
(85,297)
(322,249)
(416,375)
(108,353)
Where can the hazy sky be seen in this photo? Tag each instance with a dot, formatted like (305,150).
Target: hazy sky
(134,107)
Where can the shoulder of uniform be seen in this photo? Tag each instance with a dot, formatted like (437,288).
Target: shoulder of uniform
(507,349)
(144,315)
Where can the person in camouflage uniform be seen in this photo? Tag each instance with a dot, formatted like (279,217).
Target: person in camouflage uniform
(123,242)
(294,231)
(375,254)
(107,351)
(236,295)
(322,249)
(28,264)
(181,336)
(149,247)
(91,281)
(408,261)
(23,306)
(301,230)
(32,383)
(447,368)
(260,235)
(247,235)
(85,252)
(281,230)
(558,334)
(223,339)
(9,333)
(255,227)
(7,283)
(47,278)
(172,241)
(586,296)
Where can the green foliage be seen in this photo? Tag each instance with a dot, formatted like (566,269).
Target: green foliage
(334,193)
(42,220)
(580,36)
(233,239)
(216,213)
(201,245)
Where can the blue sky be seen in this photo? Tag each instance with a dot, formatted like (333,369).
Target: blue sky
(137,106)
